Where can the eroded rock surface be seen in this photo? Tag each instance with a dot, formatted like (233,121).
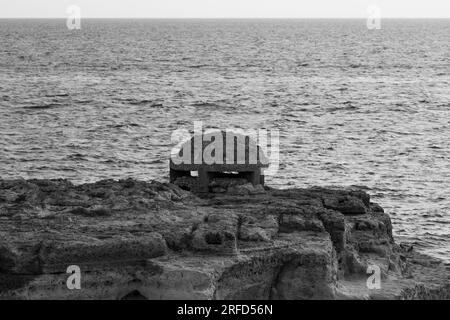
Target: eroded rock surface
(156,240)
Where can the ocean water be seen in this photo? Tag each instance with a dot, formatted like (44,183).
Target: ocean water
(354,107)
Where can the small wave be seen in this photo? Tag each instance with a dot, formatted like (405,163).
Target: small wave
(140,102)
(197,66)
(76,156)
(361,187)
(57,95)
(347,107)
(136,102)
(203,104)
(124,125)
(156,161)
(43,106)
(83,101)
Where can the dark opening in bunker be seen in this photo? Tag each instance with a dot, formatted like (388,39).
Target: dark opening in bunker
(134,295)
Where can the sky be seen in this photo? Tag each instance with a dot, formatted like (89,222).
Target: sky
(225,8)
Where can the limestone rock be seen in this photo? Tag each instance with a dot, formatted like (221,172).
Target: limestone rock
(262,228)
(156,240)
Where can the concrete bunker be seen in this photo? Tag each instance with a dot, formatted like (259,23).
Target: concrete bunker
(217,155)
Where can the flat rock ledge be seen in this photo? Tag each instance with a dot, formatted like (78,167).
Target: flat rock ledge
(134,239)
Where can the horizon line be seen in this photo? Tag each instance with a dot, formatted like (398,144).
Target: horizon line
(227,18)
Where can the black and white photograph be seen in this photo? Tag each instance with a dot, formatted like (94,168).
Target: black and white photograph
(236,150)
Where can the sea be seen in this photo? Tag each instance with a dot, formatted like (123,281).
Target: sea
(353,106)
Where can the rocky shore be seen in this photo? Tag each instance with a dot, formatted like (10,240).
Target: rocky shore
(134,239)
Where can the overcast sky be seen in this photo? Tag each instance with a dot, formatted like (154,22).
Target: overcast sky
(226,8)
